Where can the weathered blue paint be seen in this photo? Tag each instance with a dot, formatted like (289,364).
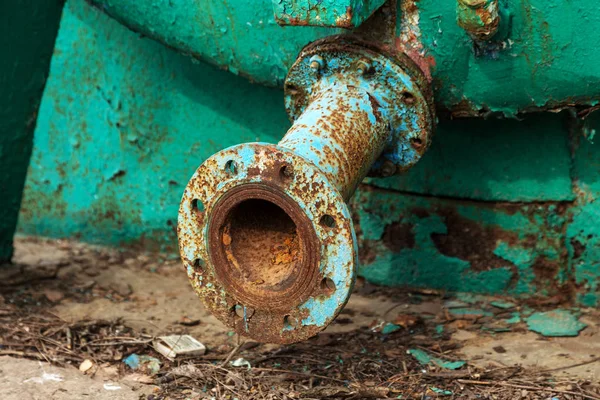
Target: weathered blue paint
(393,82)
(311,190)
(319,138)
(344,116)
(112,123)
(332,13)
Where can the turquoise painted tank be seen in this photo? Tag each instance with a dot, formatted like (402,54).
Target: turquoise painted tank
(502,200)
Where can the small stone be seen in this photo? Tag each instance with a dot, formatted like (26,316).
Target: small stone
(121,288)
(53,296)
(86,365)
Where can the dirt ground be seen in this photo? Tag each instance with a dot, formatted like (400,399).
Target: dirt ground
(70,314)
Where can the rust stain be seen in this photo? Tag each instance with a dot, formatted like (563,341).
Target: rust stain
(473,242)
(398,236)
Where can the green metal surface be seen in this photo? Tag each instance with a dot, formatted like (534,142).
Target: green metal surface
(124,123)
(543,56)
(242,37)
(583,233)
(479,18)
(495,206)
(27,32)
(330,13)
(460,245)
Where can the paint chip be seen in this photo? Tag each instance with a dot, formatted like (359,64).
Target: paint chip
(425,358)
(555,323)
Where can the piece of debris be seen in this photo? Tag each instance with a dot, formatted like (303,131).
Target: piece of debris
(139,378)
(389,328)
(425,358)
(146,364)
(440,392)
(45,378)
(406,320)
(178,346)
(455,304)
(514,319)
(470,313)
(121,288)
(186,321)
(189,371)
(111,386)
(504,305)
(555,323)
(86,365)
(499,349)
(240,362)
(53,296)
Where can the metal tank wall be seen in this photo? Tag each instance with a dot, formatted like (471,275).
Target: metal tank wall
(495,206)
(27,32)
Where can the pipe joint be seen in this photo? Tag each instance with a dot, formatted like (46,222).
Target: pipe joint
(264,230)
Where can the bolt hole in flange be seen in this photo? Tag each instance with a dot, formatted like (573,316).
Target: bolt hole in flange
(408,98)
(290,322)
(198,205)
(198,265)
(416,143)
(286,172)
(327,221)
(327,286)
(231,167)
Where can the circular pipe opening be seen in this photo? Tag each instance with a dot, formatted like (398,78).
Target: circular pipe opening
(262,243)
(263,247)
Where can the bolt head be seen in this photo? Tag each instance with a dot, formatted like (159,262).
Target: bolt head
(363,66)
(388,168)
(474,3)
(316,63)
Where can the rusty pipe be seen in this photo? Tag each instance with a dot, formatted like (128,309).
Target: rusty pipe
(264,230)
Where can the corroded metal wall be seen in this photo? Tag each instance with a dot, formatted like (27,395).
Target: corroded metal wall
(543,56)
(496,206)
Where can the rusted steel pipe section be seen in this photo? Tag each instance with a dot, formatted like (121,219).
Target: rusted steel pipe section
(264,230)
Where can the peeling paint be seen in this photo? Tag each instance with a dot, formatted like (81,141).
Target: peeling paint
(346,14)
(541,58)
(555,323)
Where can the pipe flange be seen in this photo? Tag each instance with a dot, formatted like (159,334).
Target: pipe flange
(398,86)
(276,259)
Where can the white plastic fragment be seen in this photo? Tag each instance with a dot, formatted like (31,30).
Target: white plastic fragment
(240,362)
(111,386)
(178,346)
(46,377)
